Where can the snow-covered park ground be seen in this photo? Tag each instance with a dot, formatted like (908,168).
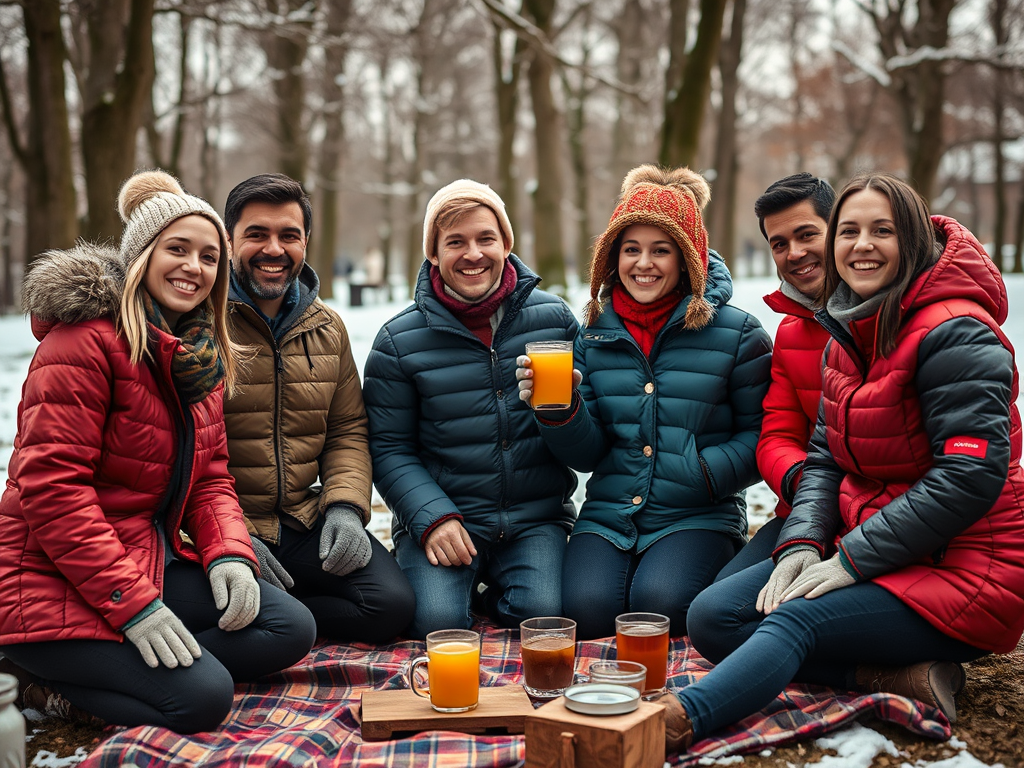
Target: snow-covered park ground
(857,746)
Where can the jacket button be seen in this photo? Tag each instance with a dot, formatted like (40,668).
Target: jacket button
(648,387)
(637,499)
(648,451)
(116,597)
(505,445)
(499,394)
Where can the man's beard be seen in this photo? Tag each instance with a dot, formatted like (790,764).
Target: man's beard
(249,283)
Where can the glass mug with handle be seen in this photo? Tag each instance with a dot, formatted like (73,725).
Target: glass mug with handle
(453,670)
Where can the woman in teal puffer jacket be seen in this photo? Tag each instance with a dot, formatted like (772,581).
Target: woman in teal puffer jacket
(667,413)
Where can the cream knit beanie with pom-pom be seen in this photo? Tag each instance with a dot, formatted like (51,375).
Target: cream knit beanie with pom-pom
(148,202)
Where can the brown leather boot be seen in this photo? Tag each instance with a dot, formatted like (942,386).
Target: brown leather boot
(933,682)
(678,729)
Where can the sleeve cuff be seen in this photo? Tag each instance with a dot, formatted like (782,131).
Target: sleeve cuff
(149,610)
(433,525)
(233,559)
(844,561)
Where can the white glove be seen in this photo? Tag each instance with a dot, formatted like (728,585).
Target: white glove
(785,573)
(820,579)
(161,637)
(235,588)
(524,375)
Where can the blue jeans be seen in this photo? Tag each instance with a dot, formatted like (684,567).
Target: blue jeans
(600,581)
(525,569)
(754,551)
(819,641)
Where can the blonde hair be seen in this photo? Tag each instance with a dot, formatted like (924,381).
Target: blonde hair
(133,325)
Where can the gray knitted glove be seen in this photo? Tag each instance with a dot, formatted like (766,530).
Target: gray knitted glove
(162,638)
(344,543)
(235,589)
(271,569)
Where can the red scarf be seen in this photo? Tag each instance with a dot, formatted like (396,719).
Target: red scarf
(476,317)
(643,321)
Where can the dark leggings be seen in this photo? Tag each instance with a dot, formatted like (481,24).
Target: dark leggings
(373,604)
(110,680)
(600,581)
(819,641)
(759,548)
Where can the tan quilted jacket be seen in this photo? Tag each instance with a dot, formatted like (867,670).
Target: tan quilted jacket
(297,419)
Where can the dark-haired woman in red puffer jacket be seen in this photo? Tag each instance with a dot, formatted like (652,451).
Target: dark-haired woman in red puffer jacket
(902,557)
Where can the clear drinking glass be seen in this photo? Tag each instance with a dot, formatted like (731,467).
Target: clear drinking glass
(643,637)
(548,647)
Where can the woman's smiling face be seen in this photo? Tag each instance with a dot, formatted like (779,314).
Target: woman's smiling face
(866,246)
(649,262)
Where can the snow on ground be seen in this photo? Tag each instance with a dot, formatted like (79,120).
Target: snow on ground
(856,745)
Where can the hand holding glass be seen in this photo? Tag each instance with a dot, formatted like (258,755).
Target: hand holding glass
(453,670)
(549,387)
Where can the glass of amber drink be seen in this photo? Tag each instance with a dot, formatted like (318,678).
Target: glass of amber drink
(643,637)
(548,647)
(551,362)
(453,670)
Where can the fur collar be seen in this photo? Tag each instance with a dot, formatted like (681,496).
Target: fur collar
(82,283)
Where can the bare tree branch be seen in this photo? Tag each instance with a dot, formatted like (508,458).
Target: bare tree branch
(19,149)
(537,40)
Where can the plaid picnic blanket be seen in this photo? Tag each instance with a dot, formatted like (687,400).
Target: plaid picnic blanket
(309,715)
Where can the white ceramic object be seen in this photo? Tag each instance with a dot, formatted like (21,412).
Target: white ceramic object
(602,699)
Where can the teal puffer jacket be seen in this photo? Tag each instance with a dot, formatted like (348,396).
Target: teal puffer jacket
(449,436)
(671,440)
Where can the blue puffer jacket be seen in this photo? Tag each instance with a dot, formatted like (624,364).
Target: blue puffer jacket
(449,436)
(671,440)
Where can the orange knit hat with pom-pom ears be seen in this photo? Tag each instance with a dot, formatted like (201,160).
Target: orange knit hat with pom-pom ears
(672,200)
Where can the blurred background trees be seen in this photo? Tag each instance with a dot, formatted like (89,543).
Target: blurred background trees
(374,104)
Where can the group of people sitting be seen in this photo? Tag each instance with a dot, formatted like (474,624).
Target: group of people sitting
(195,451)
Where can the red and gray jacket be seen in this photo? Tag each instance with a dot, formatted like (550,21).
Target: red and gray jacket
(914,468)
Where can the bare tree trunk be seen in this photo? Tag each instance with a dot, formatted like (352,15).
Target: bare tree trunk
(684,115)
(1018,248)
(286,54)
(797,13)
(721,214)
(170,160)
(7,298)
(118,81)
(678,33)
(506,87)
(211,116)
(325,240)
(628,69)
(51,219)
(577,123)
(919,90)
(997,16)
(414,242)
(549,248)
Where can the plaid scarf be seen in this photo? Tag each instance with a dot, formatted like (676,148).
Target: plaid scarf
(196,367)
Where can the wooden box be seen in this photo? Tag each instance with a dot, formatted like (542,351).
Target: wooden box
(557,737)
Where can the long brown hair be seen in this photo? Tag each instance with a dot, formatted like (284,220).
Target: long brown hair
(915,239)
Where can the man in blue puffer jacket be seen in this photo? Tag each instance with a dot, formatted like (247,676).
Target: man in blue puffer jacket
(458,458)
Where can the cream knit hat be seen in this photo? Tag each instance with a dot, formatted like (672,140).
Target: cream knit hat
(463,189)
(148,202)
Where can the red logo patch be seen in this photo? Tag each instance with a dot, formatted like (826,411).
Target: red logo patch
(967,446)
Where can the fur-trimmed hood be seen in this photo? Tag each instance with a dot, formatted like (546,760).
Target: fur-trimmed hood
(82,283)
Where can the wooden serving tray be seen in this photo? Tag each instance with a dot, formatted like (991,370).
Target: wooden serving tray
(387,712)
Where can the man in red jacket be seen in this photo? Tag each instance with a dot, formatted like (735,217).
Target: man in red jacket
(793,213)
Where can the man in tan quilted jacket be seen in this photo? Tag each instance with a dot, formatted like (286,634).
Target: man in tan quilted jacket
(297,429)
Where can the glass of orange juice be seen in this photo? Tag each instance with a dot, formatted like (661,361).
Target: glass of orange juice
(453,670)
(643,637)
(551,362)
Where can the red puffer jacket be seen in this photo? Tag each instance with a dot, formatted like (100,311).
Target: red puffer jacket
(791,405)
(97,438)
